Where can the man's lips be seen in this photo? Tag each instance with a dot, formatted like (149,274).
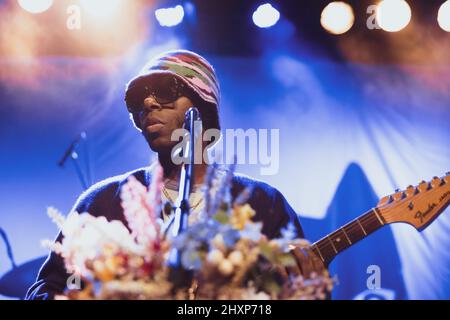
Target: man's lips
(153,125)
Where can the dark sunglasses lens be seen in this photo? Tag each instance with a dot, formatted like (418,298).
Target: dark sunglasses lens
(165,90)
(135,99)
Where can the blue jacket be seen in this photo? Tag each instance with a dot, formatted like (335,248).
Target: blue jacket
(103,198)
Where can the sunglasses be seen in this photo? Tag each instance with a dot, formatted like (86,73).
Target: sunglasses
(164,89)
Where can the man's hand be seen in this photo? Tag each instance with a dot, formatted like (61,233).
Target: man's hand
(307,263)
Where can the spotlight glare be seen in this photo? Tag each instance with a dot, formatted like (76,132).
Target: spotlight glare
(444,16)
(101,8)
(266,16)
(393,15)
(35,6)
(169,17)
(337,17)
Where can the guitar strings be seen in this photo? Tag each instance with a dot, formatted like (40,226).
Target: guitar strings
(368,219)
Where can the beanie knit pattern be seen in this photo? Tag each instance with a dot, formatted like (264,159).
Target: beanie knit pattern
(197,73)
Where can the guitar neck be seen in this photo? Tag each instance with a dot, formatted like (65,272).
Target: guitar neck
(334,243)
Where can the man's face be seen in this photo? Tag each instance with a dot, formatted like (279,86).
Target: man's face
(159,121)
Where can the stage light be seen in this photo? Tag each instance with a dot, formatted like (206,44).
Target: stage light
(393,15)
(169,17)
(266,16)
(444,16)
(189,8)
(35,6)
(337,17)
(101,8)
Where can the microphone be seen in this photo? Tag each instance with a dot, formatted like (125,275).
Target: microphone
(191,118)
(71,148)
(181,277)
(193,124)
(191,115)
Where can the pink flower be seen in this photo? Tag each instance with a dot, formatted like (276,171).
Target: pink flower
(142,207)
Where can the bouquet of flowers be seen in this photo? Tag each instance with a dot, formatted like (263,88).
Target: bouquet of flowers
(223,250)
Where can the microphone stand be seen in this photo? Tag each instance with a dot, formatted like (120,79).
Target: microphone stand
(71,152)
(178,275)
(8,248)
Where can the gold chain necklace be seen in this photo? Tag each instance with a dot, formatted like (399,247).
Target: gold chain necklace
(167,195)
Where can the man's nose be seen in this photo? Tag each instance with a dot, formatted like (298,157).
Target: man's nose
(151,104)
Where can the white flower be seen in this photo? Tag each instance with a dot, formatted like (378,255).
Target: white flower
(215,257)
(252,231)
(236,257)
(226,267)
(251,294)
(86,236)
(72,224)
(218,242)
(56,216)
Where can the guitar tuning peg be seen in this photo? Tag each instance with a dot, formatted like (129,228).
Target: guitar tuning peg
(385,200)
(424,186)
(436,182)
(410,190)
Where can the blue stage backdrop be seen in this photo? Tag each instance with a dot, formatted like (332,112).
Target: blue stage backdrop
(349,134)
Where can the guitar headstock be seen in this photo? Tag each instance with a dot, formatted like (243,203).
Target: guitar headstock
(417,205)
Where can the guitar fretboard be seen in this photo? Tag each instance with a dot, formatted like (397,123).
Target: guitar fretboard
(329,246)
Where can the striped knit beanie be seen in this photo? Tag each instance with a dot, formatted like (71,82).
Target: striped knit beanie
(195,71)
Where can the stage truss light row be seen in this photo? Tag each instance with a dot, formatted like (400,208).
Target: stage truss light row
(337,17)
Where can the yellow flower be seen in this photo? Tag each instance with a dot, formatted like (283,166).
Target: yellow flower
(102,272)
(110,249)
(241,215)
(114,263)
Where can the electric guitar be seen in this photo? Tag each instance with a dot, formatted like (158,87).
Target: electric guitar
(416,205)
